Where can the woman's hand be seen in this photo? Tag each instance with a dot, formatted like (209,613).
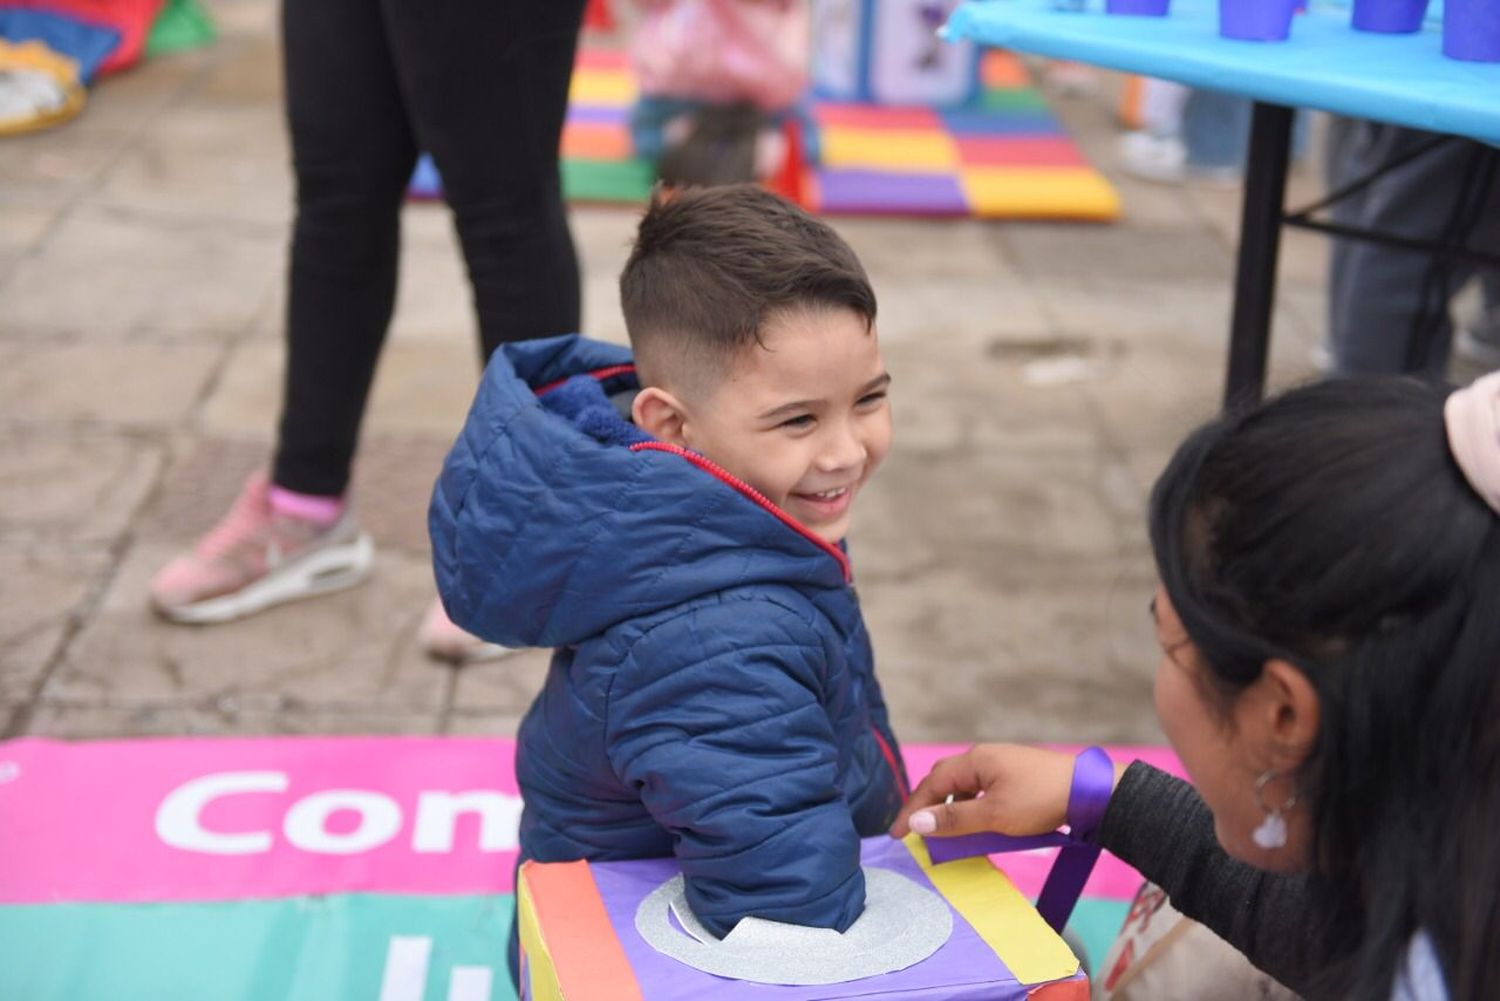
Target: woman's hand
(1021,790)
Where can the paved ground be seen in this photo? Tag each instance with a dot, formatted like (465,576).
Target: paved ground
(1043,373)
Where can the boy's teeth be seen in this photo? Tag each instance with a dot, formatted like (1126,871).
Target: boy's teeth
(830,494)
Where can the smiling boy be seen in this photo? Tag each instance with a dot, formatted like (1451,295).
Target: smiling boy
(712,695)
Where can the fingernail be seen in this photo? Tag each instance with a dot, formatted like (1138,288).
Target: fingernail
(922,822)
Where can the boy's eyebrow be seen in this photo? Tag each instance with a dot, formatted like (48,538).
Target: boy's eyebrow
(879,382)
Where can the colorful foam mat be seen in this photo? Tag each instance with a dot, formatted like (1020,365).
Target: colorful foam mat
(297,869)
(1006,157)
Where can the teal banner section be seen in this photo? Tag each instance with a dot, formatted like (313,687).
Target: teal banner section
(326,948)
(342,947)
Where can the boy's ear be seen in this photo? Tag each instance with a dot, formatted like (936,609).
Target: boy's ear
(661,415)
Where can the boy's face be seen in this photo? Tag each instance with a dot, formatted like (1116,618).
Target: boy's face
(803,418)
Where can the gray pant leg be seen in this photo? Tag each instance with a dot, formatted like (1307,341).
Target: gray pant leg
(1375,292)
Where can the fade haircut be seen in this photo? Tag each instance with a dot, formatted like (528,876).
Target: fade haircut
(712,266)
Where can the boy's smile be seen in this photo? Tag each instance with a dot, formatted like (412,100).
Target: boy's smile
(802,417)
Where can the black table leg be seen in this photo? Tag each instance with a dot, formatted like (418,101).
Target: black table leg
(1260,243)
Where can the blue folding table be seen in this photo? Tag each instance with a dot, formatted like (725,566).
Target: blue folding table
(1400,79)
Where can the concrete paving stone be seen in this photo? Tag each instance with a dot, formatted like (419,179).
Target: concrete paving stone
(899,250)
(208,160)
(434,304)
(482,724)
(428,225)
(110,272)
(246,70)
(245,400)
(973,309)
(147,91)
(1303,254)
(1061,255)
(964,656)
(103,382)
(393,480)
(602,318)
(25,225)
(1149,204)
(424,389)
(950,397)
(74,488)
(1157,393)
(197,487)
(43,589)
(1021,515)
(354,650)
(504,687)
(244,18)
(49,167)
(420,388)
(1192,313)
(92,721)
(604,233)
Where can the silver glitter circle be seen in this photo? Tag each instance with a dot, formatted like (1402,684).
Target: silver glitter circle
(902,924)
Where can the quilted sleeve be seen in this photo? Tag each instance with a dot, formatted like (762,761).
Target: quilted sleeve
(716,719)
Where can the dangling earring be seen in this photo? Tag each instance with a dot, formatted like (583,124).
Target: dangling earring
(1272,830)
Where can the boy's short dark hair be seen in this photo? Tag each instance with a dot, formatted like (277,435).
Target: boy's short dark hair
(711,266)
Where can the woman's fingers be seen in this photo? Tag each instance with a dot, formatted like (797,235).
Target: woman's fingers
(946,820)
(951,777)
(1007,788)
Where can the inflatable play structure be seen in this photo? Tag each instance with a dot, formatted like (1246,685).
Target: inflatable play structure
(52,50)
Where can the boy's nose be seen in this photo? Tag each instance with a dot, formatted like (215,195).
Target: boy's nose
(844,451)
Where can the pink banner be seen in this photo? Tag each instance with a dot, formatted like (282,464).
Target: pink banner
(222,819)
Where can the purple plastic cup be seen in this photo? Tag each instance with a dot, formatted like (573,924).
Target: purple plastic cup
(1137,8)
(1256,20)
(1389,17)
(1471,30)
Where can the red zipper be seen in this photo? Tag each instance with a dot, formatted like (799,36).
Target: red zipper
(890,759)
(599,373)
(734,481)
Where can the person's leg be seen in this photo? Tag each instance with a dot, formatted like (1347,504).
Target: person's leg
(290,537)
(1480,341)
(487,85)
(1388,307)
(353,152)
(1216,130)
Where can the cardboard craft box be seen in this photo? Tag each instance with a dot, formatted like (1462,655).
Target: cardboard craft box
(579,940)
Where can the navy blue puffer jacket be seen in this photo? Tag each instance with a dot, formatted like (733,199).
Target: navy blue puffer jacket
(712,694)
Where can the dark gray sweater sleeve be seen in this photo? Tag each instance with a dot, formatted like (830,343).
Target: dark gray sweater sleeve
(1158,824)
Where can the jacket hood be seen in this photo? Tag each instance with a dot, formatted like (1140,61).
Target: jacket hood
(555,519)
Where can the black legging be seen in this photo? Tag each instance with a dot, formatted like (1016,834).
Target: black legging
(482,86)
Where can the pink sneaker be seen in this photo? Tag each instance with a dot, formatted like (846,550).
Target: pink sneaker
(443,639)
(254,558)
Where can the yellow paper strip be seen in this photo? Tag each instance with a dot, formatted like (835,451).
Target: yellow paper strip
(541,973)
(987,899)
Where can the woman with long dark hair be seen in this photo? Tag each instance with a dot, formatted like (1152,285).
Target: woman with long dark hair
(1329,615)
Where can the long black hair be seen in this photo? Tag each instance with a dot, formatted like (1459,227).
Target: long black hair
(1332,528)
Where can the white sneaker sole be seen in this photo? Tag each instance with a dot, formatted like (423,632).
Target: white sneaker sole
(322,572)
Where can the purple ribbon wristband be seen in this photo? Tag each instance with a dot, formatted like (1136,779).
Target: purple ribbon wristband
(1088,798)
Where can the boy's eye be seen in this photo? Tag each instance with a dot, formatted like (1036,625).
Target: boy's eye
(800,421)
(871,399)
